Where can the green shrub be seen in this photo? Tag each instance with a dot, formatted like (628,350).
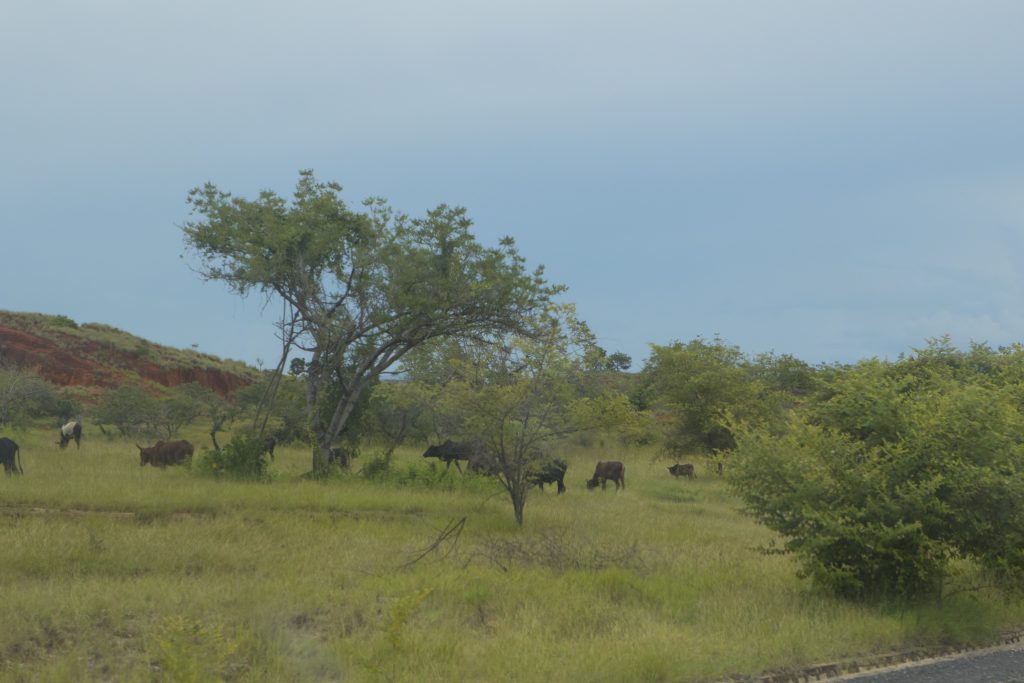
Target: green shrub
(64,321)
(186,650)
(378,467)
(887,517)
(244,457)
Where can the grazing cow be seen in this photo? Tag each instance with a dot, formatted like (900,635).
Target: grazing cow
(269,444)
(550,472)
(164,453)
(683,470)
(72,430)
(451,451)
(339,456)
(604,471)
(9,456)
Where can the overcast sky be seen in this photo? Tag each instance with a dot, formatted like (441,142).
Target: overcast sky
(835,180)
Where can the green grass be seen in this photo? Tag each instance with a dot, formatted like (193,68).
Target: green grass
(110,571)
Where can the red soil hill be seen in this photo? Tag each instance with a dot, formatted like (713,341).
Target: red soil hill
(102,357)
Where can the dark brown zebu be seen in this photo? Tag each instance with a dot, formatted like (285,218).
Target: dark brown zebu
(612,470)
(164,453)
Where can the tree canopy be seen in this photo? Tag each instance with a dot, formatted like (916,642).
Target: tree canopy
(361,288)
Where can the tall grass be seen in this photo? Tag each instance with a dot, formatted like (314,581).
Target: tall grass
(111,571)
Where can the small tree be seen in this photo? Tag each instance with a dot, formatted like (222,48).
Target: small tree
(182,406)
(522,399)
(129,408)
(284,406)
(397,411)
(699,384)
(22,392)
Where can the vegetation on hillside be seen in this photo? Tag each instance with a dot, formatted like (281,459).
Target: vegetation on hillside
(104,345)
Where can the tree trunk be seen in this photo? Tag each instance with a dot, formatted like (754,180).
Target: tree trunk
(518,496)
(321,458)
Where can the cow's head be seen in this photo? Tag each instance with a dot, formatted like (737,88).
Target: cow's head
(65,439)
(592,483)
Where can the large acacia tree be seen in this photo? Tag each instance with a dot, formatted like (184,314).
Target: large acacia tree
(361,288)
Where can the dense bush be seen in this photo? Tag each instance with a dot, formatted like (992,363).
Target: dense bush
(901,475)
(244,457)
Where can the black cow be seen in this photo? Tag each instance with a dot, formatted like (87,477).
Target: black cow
(450,452)
(164,453)
(72,430)
(683,470)
(9,456)
(550,472)
(269,444)
(604,471)
(340,456)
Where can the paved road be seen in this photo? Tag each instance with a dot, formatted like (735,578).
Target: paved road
(997,665)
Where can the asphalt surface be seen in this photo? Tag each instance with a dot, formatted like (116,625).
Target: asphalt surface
(997,665)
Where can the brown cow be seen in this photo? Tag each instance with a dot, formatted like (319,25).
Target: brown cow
(683,470)
(164,453)
(614,470)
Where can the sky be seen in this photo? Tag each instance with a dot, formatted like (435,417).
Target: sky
(833,180)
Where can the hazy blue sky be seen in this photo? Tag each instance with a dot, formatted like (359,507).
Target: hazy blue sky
(834,180)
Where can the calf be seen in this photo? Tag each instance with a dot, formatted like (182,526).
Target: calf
(683,470)
(9,456)
(550,472)
(164,453)
(269,444)
(604,471)
(72,430)
(451,451)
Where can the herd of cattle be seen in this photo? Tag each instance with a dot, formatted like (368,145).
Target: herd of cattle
(549,470)
(161,454)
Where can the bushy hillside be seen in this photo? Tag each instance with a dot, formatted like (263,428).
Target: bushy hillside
(93,357)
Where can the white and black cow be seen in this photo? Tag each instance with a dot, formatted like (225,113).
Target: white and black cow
(72,430)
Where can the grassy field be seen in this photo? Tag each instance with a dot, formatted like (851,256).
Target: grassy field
(110,571)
